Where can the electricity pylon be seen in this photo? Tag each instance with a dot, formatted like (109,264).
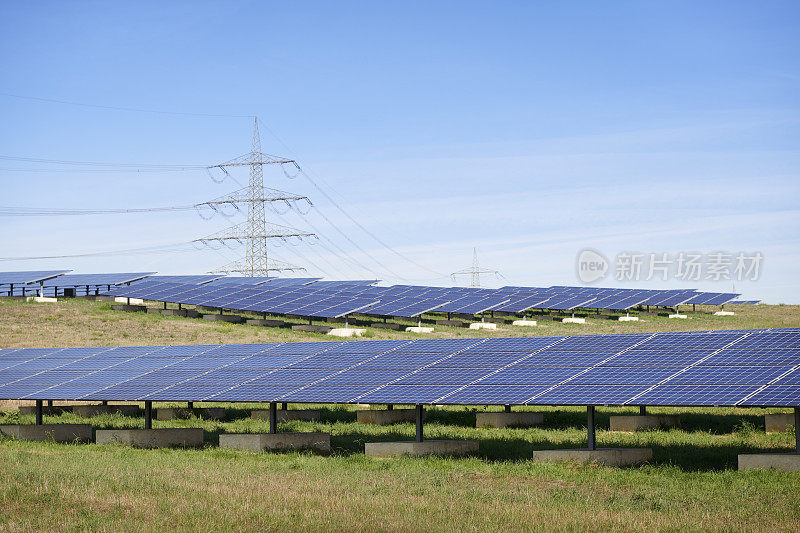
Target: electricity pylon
(255,232)
(475,271)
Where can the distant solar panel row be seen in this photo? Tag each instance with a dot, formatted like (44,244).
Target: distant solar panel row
(729,368)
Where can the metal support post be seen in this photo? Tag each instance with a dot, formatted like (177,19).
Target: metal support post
(273,417)
(39,413)
(642,410)
(148,415)
(508,408)
(420,411)
(590,427)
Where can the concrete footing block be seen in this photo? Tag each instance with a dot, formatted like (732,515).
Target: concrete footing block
(265,322)
(130,308)
(258,442)
(309,415)
(193,313)
(386,417)
(131,301)
(428,447)
(173,312)
(42,299)
(152,310)
(388,325)
(676,315)
(452,323)
(528,323)
(604,456)
(47,410)
(786,462)
(89,411)
(641,422)
(724,313)
(419,329)
(571,320)
(49,432)
(346,332)
(506,420)
(312,329)
(232,319)
(173,413)
(780,422)
(628,319)
(483,325)
(151,438)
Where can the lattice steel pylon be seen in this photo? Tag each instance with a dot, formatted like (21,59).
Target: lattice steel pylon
(255,232)
(475,271)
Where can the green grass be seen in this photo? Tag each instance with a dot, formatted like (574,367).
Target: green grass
(691,484)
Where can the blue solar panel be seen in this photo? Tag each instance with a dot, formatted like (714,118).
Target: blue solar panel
(700,368)
(28,276)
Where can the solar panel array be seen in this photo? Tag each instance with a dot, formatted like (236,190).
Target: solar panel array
(722,368)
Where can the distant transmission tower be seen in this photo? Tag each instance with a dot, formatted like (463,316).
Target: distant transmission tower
(475,271)
(256,231)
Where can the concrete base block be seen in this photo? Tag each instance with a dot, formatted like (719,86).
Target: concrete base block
(153,310)
(388,325)
(386,417)
(570,320)
(506,420)
(428,447)
(523,323)
(131,301)
(89,411)
(312,329)
(265,322)
(47,410)
(452,323)
(628,319)
(604,456)
(482,325)
(192,313)
(173,312)
(677,316)
(780,422)
(640,422)
(130,308)
(151,438)
(233,319)
(309,415)
(49,432)
(42,299)
(259,442)
(724,313)
(207,413)
(346,332)
(419,329)
(787,462)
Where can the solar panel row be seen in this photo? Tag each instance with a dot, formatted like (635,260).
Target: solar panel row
(743,368)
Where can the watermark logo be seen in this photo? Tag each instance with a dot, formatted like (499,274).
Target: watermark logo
(683,266)
(592,265)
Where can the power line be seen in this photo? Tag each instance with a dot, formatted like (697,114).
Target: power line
(166,248)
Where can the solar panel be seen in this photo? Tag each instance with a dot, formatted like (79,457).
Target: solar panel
(78,280)
(755,367)
(28,276)
(712,298)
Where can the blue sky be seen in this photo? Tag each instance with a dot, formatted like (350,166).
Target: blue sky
(530,130)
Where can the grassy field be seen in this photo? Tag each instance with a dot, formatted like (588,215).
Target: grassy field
(691,484)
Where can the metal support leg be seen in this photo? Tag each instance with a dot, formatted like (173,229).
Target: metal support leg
(797,429)
(590,427)
(39,413)
(273,417)
(165,305)
(508,408)
(190,405)
(148,415)
(283,406)
(420,411)
(642,410)
(49,403)
(389,406)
